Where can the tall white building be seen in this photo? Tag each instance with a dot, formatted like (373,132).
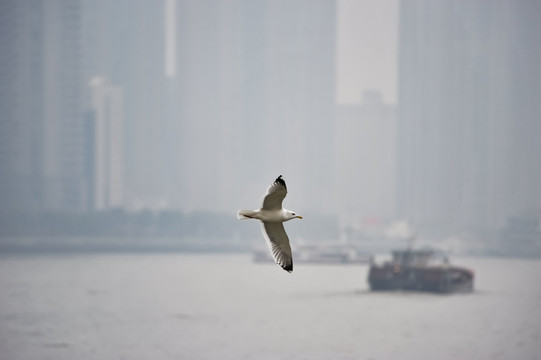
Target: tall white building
(106,181)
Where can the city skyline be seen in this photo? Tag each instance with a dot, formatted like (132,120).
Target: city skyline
(195,106)
(243,41)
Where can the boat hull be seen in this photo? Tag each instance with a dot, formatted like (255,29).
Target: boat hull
(441,279)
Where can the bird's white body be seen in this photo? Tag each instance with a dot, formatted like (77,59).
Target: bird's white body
(267,215)
(272,216)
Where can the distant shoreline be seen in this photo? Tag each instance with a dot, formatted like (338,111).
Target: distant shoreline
(144,244)
(68,245)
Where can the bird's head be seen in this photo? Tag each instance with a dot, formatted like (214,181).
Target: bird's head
(292,215)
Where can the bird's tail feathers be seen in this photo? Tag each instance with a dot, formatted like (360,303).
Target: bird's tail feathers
(245,214)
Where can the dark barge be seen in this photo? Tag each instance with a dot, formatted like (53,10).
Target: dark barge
(417,270)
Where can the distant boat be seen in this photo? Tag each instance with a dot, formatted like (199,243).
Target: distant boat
(322,254)
(416,270)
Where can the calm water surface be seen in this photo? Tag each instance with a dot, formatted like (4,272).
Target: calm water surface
(182,306)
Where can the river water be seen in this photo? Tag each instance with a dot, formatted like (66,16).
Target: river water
(201,306)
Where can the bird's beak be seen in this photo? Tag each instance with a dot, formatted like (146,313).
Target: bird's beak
(298,217)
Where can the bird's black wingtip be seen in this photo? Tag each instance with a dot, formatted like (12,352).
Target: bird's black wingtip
(281,181)
(288,267)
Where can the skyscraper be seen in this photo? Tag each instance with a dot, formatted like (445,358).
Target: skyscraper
(106,180)
(124,43)
(365,152)
(469,124)
(41,105)
(255,98)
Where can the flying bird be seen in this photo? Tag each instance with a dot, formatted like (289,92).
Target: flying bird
(272,216)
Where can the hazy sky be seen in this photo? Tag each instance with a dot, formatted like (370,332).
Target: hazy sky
(367,49)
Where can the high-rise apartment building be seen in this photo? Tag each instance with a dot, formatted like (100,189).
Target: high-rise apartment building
(106,134)
(469,125)
(364,158)
(255,82)
(124,43)
(41,125)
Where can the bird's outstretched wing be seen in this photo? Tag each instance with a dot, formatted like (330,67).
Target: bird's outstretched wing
(275,194)
(278,243)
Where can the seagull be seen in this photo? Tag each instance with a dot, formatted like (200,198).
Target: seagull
(272,217)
